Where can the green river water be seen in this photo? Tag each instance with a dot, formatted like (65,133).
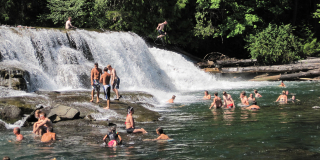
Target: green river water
(276,131)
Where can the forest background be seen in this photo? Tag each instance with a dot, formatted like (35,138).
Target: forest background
(273,31)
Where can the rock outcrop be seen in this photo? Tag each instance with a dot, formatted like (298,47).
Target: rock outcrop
(14,78)
(61,112)
(10,112)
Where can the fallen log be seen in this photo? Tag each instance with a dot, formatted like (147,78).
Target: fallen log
(212,70)
(311,73)
(275,68)
(233,62)
(314,60)
(206,64)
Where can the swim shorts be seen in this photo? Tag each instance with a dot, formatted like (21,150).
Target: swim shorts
(230,105)
(161,32)
(96,85)
(111,143)
(116,83)
(106,89)
(130,130)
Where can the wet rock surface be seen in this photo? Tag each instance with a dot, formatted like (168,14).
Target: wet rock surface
(73,108)
(14,78)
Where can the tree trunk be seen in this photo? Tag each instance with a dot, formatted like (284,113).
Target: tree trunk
(311,73)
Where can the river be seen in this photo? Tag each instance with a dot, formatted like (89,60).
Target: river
(60,61)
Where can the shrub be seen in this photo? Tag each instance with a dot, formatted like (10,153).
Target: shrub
(274,45)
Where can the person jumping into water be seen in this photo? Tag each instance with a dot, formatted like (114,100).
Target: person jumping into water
(160,29)
(95,77)
(69,25)
(130,125)
(113,135)
(105,80)
(217,103)
(228,101)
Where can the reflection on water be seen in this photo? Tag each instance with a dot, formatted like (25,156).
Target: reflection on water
(276,131)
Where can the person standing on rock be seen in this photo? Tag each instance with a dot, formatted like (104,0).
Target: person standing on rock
(115,81)
(160,29)
(41,126)
(49,136)
(105,80)
(16,131)
(69,25)
(95,77)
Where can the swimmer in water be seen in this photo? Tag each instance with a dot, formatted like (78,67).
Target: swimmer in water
(254,106)
(130,125)
(227,100)
(251,98)
(113,135)
(172,99)
(162,135)
(283,97)
(16,131)
(244,99)
(49,136)
(217,103)
(282,84)
(256,94)
(207,96)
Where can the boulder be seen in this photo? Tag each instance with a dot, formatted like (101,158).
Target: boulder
(10,112)
(61,112)
(2,125)
(14,78)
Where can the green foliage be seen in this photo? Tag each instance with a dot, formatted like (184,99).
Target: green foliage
(275,44)
(312,48)
(317,13)
(62,9)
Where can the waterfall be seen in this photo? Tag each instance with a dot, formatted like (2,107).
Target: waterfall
(59,59)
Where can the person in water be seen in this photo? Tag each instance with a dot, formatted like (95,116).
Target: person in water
(49,136)
(130,125)
(256,94)
(69,25)
(105,80)
(6,158)
(217,103)
(160,29)
(115,81)
(172,99)
(95,77)
(227,100)
(254,106)
(113,135)
(251,98)
(41,126)
(282,84)
(16,131)
(206,96)
(244,99)
(282,98)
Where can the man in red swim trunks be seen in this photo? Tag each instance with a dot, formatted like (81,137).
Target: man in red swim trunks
(228,101)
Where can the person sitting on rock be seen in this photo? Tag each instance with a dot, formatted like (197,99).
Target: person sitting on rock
(16,131)
(113,135)
(130,125)
(49,136)
(41,126)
